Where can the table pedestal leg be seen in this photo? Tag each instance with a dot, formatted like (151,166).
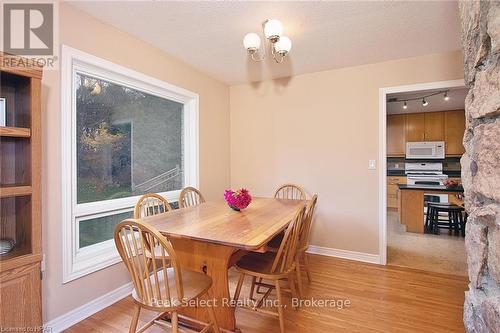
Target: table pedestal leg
(213,260)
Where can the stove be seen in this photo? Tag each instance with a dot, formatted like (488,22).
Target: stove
(427,174)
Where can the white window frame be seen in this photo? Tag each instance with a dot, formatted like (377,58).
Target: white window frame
(80,262)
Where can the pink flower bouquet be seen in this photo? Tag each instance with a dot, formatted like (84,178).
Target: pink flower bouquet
(239,199)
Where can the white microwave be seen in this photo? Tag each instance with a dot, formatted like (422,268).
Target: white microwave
(425,150)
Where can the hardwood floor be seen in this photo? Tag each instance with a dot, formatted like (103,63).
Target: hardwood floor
(382,298)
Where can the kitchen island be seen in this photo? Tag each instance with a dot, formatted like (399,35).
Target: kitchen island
(411,203)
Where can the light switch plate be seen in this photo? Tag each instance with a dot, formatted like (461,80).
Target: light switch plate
(372,164)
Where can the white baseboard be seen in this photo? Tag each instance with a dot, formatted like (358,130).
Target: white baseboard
(69,319)
(344,254)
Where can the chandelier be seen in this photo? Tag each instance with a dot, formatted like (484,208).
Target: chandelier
(278,45)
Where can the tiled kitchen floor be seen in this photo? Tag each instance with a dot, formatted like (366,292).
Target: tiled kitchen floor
(437,253)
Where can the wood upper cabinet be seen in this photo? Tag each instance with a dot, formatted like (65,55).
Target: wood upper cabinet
(454,124)
(434,126)
(447,126)
(427,126)
(415,127)
(396,134)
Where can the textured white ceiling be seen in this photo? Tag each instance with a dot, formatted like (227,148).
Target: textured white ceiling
(436,103)
(326,35)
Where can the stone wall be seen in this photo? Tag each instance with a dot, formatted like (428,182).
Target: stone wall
(481,163)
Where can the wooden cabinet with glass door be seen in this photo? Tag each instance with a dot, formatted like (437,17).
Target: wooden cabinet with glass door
(20,202)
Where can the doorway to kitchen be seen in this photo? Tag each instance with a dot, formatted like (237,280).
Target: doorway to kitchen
(421,217)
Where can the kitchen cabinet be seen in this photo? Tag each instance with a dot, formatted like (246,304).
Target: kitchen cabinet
(393,190)
(434,126)
(396,135)
(447,126)
(427,126)
(21,298)
(454,125)
(415,127)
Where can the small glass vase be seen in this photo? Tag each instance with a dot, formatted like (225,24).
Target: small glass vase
(235,208)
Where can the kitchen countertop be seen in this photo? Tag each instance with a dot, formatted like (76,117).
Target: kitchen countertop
(440,188)
(401,173)
(396,173)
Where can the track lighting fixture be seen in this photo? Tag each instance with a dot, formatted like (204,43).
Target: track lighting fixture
(422,98)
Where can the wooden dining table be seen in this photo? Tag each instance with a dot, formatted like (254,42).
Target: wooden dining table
(205,237)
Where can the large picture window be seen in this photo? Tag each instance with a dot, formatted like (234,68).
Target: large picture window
(124,135)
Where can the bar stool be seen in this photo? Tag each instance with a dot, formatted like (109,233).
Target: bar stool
(455,221)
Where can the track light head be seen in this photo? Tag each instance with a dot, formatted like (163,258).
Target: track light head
(424,102)
(446,97)
(405,105)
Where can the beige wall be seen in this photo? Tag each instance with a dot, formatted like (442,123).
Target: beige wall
(82,32)
(320,130)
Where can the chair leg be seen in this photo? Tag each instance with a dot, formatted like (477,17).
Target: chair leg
(435,221)
(429,219)
(258,287)
(291,282)
(451,222)
(175,322)
(426,224)
(464,223)
(211,314)
(252,287)
(135,318)
(280,307)
(306,264)
(238,287)
(299,277)
(456,226)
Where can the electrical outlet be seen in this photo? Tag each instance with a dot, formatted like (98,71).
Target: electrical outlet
(372,164)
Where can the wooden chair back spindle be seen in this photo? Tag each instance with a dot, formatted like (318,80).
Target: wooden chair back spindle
(133,238)
(190,196)
(290,191)
(285,257)
(151,204)
(305,233)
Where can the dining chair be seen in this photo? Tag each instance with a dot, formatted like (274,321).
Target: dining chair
(273,267)
(159,286)
(151,204)
(285,191)
(304,238)
(290,191)
(190,196)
